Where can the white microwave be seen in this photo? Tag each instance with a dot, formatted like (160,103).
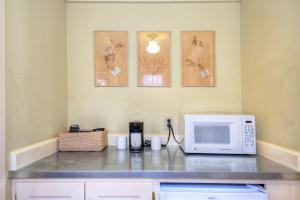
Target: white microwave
(217,134)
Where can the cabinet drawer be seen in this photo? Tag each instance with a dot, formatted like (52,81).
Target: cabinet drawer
(119,191)
(50,191)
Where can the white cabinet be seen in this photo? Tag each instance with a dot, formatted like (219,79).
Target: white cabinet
(118,190)
(49,191)
(85,190)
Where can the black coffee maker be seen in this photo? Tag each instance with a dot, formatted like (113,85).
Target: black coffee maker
(136,136)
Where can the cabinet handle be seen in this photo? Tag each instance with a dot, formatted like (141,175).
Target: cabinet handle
(212,198)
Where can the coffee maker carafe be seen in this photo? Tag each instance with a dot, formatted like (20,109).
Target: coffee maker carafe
(136,136)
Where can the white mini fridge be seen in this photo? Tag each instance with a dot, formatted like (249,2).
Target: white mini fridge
(212,192)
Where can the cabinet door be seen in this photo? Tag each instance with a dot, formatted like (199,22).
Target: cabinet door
(119,191)
(50,191)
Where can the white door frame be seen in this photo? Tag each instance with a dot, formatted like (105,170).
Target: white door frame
(2,102)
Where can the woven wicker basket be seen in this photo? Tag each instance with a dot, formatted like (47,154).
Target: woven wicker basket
(92,141)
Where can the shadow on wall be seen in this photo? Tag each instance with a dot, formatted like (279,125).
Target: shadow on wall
(290,98)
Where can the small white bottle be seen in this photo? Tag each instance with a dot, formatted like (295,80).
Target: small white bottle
(155,143)
(121,142)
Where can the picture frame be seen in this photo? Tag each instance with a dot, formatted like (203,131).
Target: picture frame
(198,58)
(154,68)
(111,58)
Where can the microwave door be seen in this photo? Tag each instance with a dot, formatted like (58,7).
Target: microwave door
(219,137)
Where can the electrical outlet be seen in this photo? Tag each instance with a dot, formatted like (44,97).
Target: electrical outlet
(166,122)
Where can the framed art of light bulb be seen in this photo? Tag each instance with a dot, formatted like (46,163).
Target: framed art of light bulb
(154,59)
(153,47)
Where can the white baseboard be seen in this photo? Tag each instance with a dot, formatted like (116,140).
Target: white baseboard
(152,1)
(279,154)
(24,156)
(112,138)
(2,189)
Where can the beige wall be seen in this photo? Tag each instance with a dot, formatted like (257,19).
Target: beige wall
(271,68)
(152,1)
(114,107)
(2,100)
(36,71)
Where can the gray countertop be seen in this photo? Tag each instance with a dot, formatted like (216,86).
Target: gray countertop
(168,163)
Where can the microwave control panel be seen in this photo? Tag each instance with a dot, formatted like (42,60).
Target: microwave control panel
(249,134)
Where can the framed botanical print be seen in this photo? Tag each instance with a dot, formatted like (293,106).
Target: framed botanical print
(111,58)
(198,58)
(154,59)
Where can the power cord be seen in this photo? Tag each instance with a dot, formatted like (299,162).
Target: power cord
(147,143)
(169,125)
(170,128)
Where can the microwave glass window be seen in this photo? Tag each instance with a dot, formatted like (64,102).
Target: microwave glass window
(212,134)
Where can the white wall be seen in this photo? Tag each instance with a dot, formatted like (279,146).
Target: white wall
(113,108)
(271,68)
(36,71)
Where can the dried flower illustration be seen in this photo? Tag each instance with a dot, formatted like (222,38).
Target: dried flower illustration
(196,58)
(110,53)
